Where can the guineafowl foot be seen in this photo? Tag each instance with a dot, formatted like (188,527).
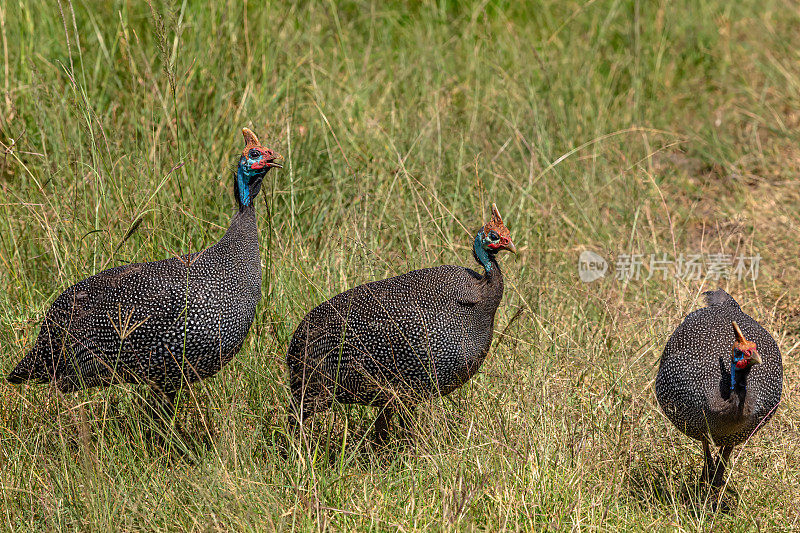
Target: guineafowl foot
(303,406)
(161,406)
(713,475)
(160,413)
(280,442)
(382,425)
(719,499)
(294,423)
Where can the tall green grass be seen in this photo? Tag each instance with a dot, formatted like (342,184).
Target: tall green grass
(617,126)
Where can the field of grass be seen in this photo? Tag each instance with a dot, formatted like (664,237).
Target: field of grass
(618,126)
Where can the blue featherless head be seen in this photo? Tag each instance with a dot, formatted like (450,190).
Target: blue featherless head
(254,163)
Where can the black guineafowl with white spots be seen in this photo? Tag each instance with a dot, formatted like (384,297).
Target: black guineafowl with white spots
(164,323)
(720,379)
(396,342)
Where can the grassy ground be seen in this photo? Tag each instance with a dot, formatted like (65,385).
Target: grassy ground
(616,126)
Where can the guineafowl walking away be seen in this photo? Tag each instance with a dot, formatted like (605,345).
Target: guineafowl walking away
(163,323)
(396,342)
(720,379)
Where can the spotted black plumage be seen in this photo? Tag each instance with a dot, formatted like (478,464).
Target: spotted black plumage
(395,342)
(162,323)
(695,386)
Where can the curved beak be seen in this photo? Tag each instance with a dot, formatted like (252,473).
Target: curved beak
(755,358)
(271,163)
(511,247)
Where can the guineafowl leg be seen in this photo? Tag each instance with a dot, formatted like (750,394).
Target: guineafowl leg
(709,465)
(382,424)
(406,417)
(722,462)
(304,406)
(161,405)
(160,410)
(295,417)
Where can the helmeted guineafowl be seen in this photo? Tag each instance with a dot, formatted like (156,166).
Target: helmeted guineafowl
(396,342)
(162,323)
(720,379)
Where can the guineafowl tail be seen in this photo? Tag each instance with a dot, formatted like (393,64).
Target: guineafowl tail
(31,368)
(22,372)
(717,297)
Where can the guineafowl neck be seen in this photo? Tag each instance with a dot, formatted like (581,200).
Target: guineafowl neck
(246,184)
(736,399)
(739,378)
(494,281)
(242,230)
(482,256)
(493,277)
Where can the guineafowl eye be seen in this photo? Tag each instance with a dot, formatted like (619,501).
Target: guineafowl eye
(254,154)
(493,236)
